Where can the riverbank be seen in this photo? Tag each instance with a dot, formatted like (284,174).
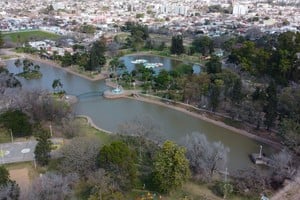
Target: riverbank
(203,117)
(8,52)
(92,124)
(196,115)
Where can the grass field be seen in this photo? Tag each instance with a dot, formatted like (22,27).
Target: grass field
(4,136)
(26,36)
(90,131)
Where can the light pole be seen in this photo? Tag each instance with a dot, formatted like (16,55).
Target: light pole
(260,151)
(11,136)
(226,173)
(50,127)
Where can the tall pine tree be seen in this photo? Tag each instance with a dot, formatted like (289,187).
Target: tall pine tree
(270,108)
(43,147)
(177,45)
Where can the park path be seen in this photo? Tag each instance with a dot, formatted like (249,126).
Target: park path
(21,151)
(290,192)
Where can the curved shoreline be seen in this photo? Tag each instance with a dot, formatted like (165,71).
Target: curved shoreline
(98,77)
(215,122)
(91,123)
(196,115)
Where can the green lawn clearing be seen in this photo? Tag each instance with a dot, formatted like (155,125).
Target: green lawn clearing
(26,36)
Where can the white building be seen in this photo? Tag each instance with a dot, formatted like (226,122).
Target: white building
(239,10)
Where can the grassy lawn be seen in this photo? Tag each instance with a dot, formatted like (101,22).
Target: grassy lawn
(31,75)
(21,37)
(189,191)
(6,57)
(4,136)
(88,130)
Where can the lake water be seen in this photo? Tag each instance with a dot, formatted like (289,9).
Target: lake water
(168,64)
(172,124)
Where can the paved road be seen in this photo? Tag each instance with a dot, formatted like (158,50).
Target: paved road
(20,151)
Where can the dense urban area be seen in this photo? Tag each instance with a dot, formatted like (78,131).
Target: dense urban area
(230,66)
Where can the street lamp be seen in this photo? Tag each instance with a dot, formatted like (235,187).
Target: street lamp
(50,127)
(260,151)
(11,136)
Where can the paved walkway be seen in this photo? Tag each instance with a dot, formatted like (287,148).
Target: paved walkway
(21,151)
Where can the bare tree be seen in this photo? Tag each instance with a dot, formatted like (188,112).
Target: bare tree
(205,157)
(10,191)
(283,167)
(41,106)
(250,181)
(112,49)
(71,128)
(142,126)
(101,184)
(7,80)
(52,186)
(79,155)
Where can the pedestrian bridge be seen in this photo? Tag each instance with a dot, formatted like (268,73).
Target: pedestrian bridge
(90,94)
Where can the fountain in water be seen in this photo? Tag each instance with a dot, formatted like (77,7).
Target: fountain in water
(117,90)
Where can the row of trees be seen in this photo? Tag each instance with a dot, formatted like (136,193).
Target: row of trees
(260,88)
(91,59)
(275,57)
(114,169)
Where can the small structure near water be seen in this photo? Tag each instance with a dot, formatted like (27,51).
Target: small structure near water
(260,158)
(70,99)
(114,93)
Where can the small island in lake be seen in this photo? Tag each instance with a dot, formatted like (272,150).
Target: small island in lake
(30,71)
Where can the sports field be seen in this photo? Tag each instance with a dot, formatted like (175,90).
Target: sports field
(26,36)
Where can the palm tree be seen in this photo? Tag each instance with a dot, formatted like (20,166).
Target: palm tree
(36,67)
(18,64)
(57,85)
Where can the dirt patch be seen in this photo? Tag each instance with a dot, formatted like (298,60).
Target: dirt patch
(290,191)
(21,176)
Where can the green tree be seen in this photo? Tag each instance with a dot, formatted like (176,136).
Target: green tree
(289,130)
(214,65)
(17,122)
(214,96)
(57,85)
(271,105)
(203,45)
(1,40)
(18,64)
(27,64)
(43,147)
(118,159)
(4,175)
(86,28)
(163,80)
(236,93)
(177,45)
(67,59)
(171,168)
(96,56)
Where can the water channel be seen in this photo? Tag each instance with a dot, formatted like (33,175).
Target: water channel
(173,125)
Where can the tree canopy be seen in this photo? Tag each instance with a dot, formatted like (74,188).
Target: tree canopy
(171,168)
(43,147)
(118,158)
(17,122)
(177,45)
